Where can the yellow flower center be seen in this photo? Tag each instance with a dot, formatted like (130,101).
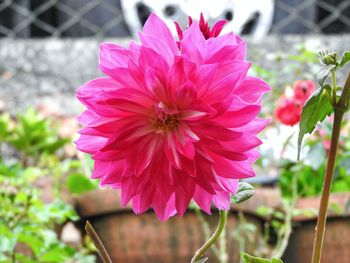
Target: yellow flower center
(167,119)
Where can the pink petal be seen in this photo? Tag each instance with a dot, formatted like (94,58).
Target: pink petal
(158,46)
(222,200)
(90,144)
(251,89)
(183,195)
(237,52)
(154,26)
(193,44)
(203,199)
(163,208)
(239,117)
(217,28)
(112,56)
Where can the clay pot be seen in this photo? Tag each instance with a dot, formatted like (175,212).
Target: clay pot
(337,236)
(136,239)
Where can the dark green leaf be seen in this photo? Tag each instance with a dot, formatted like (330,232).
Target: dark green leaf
(345,58)
(316,108)
(244,192)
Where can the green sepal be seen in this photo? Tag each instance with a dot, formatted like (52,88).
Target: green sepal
(244,192)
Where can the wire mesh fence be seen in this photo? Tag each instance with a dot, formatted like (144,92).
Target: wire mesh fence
(103,18)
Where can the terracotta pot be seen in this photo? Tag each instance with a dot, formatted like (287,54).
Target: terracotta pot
(129,238)
(337,237)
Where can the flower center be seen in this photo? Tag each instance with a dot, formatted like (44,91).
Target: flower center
(166,118)
(167,123)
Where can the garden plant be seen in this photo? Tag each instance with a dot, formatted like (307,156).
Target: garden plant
(30,220)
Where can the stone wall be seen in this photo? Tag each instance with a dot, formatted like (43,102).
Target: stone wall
(49,70)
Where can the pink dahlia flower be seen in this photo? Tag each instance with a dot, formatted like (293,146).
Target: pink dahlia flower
(168,124)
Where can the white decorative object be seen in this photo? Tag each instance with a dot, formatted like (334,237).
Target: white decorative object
(255,15)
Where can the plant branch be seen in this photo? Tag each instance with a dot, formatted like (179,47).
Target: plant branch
(97,242)
(221,226)
(340,109)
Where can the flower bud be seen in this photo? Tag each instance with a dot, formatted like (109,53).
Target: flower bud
(328,57)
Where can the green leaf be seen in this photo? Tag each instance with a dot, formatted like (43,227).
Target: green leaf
(57,254)
(250,259)
(340,187)
(345,58)
(315,110)
(32,241)
(264,211)
(79,183)
(324,73)
(244,192)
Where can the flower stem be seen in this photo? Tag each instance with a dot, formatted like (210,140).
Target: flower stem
(223,240)
(206,230)
(334,87)
(221,226)
(97,242)
(340,108)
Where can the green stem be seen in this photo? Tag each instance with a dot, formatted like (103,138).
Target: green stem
(340,108)
(221,226)
(223,243)
(13,256)
(206,231)
(334,87)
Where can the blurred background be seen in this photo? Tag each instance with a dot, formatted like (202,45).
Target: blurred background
(49,48)
(122,18)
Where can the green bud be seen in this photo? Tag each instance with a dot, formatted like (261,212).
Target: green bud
(328,57)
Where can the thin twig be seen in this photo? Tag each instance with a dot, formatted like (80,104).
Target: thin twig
(97,242)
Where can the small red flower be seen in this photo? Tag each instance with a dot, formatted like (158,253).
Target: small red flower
(303,89)
(288,111)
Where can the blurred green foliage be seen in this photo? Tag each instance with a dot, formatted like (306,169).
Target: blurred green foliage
(309,175)
(32,151)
